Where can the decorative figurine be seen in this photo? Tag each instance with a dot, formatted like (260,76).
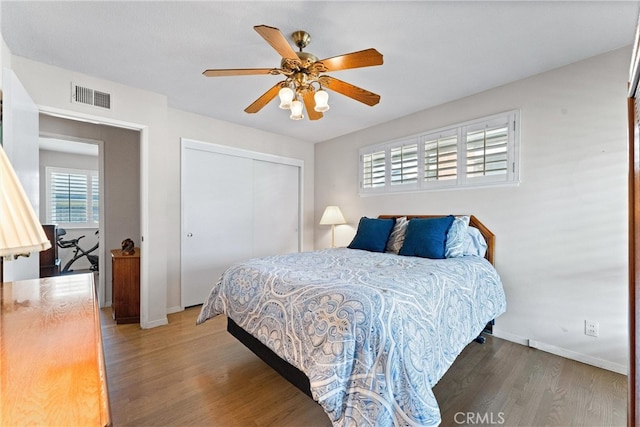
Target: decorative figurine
(127,247)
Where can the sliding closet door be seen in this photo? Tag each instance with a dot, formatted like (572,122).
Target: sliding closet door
(235,205)
(276,206)
(216,194)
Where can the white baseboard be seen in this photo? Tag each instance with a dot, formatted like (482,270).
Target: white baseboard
(155,323)
(562,352)
(510,337)
(174,309)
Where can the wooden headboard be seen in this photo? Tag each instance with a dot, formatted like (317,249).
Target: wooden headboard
(489,237)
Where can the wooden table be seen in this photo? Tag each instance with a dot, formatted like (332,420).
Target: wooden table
(52,370)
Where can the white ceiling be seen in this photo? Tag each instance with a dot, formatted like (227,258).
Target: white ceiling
(434,52)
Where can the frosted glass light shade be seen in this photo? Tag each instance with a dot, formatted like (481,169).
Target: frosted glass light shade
(322,101)
(20,229)
(332,216)
(286,96)
(296,110)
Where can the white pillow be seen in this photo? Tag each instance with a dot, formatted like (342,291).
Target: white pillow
(476,245)
(457,237)
(396,238)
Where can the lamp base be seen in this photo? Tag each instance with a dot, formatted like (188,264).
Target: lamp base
(333,236)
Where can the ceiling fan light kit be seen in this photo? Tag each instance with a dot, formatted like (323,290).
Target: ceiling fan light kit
(296,110)
(304,84)
(322,101)
(286,97)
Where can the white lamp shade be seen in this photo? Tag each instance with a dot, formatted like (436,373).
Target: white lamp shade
(286,96)
(296,110)
(322,101)
(20,229)
(332,216)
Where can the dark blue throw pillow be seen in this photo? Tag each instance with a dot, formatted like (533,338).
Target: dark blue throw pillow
(427,237)
(372,234)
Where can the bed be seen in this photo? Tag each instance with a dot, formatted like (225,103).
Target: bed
(367,333)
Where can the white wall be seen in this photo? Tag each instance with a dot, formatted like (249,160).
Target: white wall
(562,234)
(5,55)
(162,128)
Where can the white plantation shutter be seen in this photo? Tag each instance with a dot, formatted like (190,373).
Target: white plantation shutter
(475,153)
(68,198)
(95,199)
(487,150)
(373,166)
(404,164)
(72,197)
(441,156)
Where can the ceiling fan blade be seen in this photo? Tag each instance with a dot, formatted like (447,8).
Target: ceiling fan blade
(277,40)
(350,90)
(264,99)
(309,104)
(237,72)
(363,58)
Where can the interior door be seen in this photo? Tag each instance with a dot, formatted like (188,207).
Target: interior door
(20,136)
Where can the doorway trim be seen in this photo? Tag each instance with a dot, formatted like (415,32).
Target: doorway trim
(144,193)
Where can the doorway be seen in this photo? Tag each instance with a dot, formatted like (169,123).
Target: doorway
(119,186)
(71,200)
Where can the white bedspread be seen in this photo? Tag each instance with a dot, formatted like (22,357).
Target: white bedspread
(374,332)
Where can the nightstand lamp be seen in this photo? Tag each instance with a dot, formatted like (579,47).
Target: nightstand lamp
(20,230)
(332,216)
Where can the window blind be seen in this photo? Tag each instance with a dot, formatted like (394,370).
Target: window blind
(73,197)
(487,152)
(404,164)
(441,158)
(374,165)
(480,152)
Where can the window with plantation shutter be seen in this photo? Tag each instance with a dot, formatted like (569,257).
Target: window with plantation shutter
(72,197)
(479,152)
(373,169)
(441,157)
(404,164)
(487,148)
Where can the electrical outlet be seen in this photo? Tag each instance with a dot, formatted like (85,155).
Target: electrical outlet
(591,328)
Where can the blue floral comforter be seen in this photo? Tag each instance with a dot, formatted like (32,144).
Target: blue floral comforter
(374,332)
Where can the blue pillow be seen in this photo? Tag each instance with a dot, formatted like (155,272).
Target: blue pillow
(372,234)
(427,237)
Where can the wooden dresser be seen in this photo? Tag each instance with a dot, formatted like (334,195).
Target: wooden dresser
(125,278)
(51,358)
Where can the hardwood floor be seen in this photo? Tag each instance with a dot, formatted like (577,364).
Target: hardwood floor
(187,375)
(522,386)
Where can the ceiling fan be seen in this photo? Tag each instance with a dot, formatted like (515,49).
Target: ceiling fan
(303,75)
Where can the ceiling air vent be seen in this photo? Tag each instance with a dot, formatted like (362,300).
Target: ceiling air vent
(84,95)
